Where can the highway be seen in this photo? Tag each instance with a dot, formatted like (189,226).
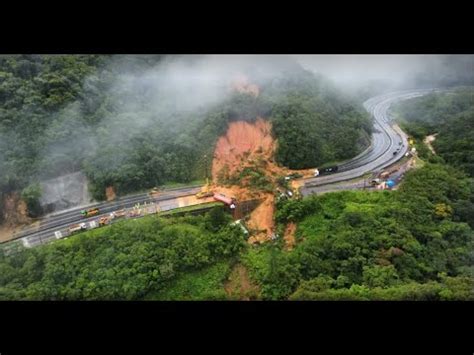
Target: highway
(44,231)
(385,140)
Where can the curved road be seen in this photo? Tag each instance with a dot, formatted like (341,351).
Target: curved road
(385,140)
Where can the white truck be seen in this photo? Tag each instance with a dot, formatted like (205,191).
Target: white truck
(77,227)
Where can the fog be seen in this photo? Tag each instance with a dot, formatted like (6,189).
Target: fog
(391,71)
(141,93)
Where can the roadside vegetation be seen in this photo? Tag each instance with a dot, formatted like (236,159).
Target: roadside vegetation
(450,116)
(414,243)
(151,257)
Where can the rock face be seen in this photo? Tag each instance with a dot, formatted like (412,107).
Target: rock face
(64,192)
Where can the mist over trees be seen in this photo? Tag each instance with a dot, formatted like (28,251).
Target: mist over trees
(138,121)
(134,122)
(363,76)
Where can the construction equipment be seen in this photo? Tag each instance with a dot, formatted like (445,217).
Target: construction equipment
(205,191)
(77,227)
(104,220)
(90,212)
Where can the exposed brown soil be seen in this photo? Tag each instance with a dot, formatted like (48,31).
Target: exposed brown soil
(241,143)
(15,215)
(251,145)
(110,193)
(289,236)
(239,286)
(247,145)
(6,233)
(261,222)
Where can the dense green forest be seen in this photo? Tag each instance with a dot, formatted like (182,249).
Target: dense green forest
(449,115)
(414,243)
(60,114)
(113,118)
(140,259)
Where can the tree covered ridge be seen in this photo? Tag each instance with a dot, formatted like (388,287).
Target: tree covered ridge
(126,261)
(451,116)
(65,113)
(410,244)
(414,243)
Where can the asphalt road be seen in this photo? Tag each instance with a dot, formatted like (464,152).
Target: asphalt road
(44,231)
(385,140)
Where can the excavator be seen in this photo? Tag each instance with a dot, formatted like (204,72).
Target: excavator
(205,191)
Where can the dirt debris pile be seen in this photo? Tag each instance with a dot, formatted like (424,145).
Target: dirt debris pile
(14,215)
(289,236)
(244,168)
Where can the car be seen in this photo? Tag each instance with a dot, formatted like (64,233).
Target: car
(395,152)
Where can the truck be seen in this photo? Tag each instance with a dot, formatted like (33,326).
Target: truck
(328,170)
(227,200)
(90,212)
(118,214)
(77,227)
